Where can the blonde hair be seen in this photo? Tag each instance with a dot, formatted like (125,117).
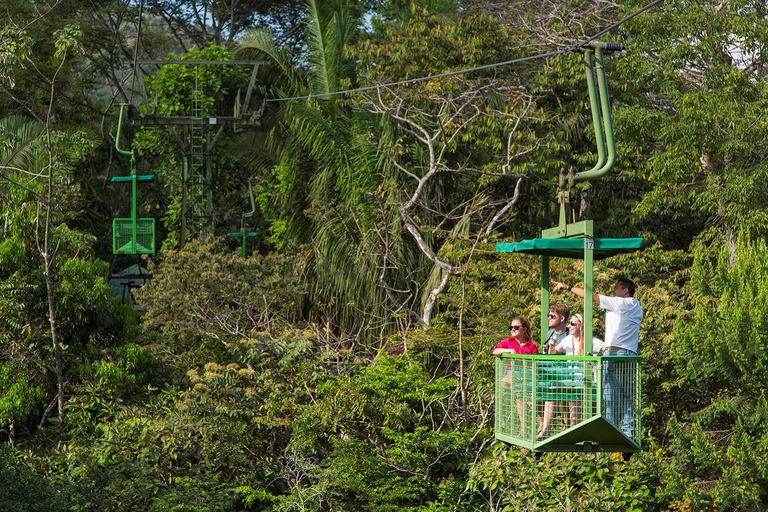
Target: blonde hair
(581,336)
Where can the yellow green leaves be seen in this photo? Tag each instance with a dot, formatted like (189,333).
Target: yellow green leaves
(15,47)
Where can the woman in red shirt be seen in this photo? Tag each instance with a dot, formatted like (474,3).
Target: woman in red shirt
(519,343)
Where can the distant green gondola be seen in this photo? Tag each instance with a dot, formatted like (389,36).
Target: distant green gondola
(132,235)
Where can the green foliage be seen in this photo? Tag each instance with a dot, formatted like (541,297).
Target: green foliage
(190,449)
(145,463)
(316,160)
(175,83)
(22,489)
(15,47)
(512,480)
(711,138)
(712,469)
(206,291)
(194,494)
(89,312)
(17,398)
(389,12)
(720,343)
(381,439)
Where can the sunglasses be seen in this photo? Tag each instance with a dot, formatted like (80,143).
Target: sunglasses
(573,323)
(552,315)
(515,327)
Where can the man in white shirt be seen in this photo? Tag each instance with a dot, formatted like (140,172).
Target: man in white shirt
(623,315)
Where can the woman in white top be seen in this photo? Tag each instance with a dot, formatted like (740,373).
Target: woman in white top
(573,345)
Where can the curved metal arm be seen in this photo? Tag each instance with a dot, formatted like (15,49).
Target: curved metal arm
(607,128)
(117,141)
(589,64)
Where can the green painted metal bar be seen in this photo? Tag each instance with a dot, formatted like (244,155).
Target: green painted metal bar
(572,247)
(134,200)
(605,107)
(117,139)
(133,177)
(544,297)
(202,62)
(143,177)
(589,249)
(597,119)
(244,235)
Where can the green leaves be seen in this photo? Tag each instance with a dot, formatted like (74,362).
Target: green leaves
(66,39)
(15,46)
(205,291)
(175,83)
(700,65)
(722,345)
(383,436)
(512,480)
(709,469)
(18,399)
(24,489)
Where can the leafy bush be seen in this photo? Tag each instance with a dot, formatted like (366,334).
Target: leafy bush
(24,490)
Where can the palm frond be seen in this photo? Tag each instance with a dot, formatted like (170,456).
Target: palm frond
(259,43)
(328,31)
(18,138)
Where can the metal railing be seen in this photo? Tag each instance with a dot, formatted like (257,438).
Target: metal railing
(546,399)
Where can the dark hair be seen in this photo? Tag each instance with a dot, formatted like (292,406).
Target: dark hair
(627,284)
(560,309)
(526,325)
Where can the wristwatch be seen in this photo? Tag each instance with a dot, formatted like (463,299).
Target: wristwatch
(570,287)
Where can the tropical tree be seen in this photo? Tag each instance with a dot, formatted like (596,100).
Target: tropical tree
(316,169)
(345,176)
(204,22)
(206,293)
(36,160)
(702,88)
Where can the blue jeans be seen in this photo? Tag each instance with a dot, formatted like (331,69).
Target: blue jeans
(618,386)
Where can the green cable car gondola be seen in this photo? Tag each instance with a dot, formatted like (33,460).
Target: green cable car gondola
(132,235)
(524,383)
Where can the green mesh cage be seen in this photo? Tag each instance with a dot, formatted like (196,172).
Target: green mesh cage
(569,403)
(133,236)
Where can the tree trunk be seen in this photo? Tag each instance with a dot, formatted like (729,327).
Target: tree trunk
(56,341)
(48,257)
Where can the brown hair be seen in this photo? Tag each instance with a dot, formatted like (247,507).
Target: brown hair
(560,310)
(526,325)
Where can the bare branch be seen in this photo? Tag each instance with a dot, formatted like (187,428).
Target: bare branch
(513,200)
(437,124)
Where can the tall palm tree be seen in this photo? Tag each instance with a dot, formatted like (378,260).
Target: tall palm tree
(321,161)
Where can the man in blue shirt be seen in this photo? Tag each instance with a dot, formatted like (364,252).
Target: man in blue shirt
(558,326)
(558,329)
